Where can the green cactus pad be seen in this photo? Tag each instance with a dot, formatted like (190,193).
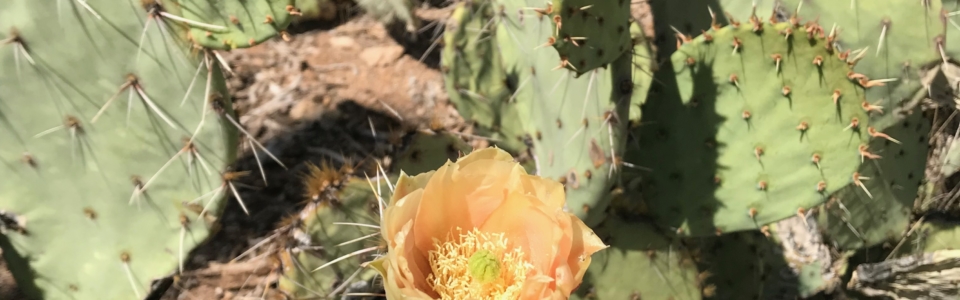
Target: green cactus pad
(910,32)
(894,182)
(690,17)
(499,76)
(312,10)
(576,124)
(641,263)
(388,11)
(586,34)
(643,68)
(475,77)
(732,146)
(87,236)
(231,24)
(932,236)
(318,241)
(430,151)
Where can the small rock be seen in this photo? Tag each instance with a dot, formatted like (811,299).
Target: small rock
(382,55)
(344,42)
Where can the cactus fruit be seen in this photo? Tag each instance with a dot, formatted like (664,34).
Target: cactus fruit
(658,267)
(576,125)
(765,123)
(318,257)
(226,24)
(852,219)
(475,78)
(107,192)
(429,151)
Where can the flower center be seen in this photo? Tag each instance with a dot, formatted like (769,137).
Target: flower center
(477,265)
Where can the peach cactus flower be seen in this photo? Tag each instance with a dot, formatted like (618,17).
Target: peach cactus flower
(482,228)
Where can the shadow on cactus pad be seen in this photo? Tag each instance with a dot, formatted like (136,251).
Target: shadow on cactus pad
(641,263)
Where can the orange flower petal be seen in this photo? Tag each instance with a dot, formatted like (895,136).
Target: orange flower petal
(411,266)
(484,154)
(407,184)
(525,225)
(487,190)
(547,190)
(584,244)
(461,197)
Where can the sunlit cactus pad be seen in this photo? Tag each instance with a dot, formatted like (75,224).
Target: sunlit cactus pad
(70,181)
(893,40)
(228,24)
(576,125)
(587,34)
(764,123)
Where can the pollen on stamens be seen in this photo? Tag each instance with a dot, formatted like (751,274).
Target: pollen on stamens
(477,265)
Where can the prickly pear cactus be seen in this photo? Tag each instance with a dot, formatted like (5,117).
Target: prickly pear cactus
(573,127)
(430,151)
(312,10)
(852,219)
(82,229)
(586,34)
(576,125)
(393,10)
(658,267)
(475,77)
(760,122)
(332,239)
(224,24)
(690,18)
(889,42)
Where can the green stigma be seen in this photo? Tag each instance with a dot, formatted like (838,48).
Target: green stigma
(484,266)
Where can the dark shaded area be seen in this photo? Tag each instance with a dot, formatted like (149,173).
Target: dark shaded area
(424,44)
(338,136)
(745,265)
(344,13)
(687,16)
(647,241)
(19,264)
(675,132)
(678,133)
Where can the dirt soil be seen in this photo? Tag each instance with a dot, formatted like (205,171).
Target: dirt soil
(334,92)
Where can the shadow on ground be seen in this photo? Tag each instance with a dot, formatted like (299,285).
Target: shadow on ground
(338,136)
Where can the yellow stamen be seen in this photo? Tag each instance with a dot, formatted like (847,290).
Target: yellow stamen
(477,265)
